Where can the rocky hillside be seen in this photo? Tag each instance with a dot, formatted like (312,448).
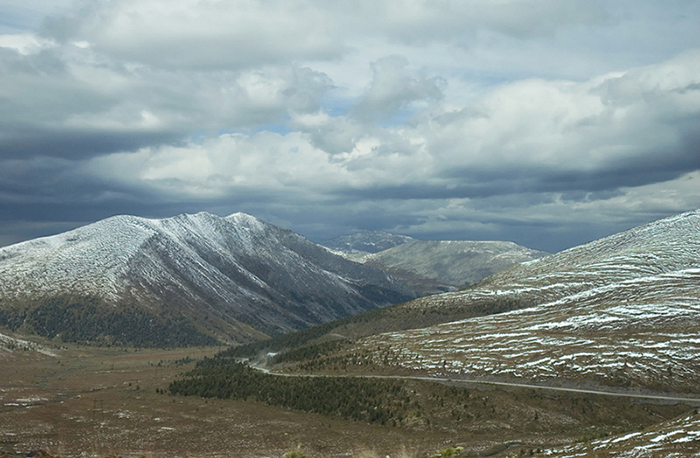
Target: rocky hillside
(431,266)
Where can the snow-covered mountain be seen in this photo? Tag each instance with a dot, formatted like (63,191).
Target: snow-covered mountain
(366,242)
(457,262)
(620,311)
(192,275)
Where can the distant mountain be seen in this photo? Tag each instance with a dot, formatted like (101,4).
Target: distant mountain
(431,266)
(458,263)
(622,311)
(191,279)
(366,242)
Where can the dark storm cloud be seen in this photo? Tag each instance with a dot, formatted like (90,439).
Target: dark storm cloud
(77,145)
(72,102)
(651,167)
(49,112)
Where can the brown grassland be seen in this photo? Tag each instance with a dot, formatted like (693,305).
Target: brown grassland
(90,401)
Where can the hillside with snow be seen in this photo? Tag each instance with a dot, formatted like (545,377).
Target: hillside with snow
(203,276)
(673,438)
(622,311)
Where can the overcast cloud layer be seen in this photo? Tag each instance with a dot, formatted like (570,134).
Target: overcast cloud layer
(548,123)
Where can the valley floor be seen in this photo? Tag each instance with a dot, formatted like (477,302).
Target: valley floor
(110,402)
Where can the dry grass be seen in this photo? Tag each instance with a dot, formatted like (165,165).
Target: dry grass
(402,453)
(103,402)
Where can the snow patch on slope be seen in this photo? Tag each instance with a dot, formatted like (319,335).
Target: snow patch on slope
(679,437)
(10,344)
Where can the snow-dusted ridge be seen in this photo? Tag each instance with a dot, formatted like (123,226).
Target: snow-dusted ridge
(619,311)
(232,276)
(83,260)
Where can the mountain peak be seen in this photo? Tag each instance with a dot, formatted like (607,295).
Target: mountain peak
(246,220)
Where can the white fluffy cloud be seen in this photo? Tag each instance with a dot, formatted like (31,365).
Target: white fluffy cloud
(533,133)
(564,126)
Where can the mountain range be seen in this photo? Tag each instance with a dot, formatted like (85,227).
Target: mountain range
(592,343)
(622,311)
(202,278)
(190,279)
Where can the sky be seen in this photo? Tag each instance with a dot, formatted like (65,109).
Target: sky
(549,123)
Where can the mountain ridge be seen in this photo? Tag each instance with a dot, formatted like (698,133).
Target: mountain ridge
(230,277)
(432,266)
(621,311)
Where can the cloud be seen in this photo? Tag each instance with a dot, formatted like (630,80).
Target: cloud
(529,136)
(393,88)
(203,35)
(513,119)
(532,145)
(70,102)
(244,33)
(24,43)
(18,16)
(624,129)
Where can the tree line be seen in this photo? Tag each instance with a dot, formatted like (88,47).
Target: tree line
(369,400)
(88,320)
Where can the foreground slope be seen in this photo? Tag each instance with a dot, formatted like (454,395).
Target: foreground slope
(192,277)
(677,437)
(105,402)
(622,311)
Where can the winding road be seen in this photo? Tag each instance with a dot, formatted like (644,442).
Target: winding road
(655,397)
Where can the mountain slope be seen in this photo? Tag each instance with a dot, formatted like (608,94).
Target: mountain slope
(677,437)
(457,263)
(197,275)
(622,311)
